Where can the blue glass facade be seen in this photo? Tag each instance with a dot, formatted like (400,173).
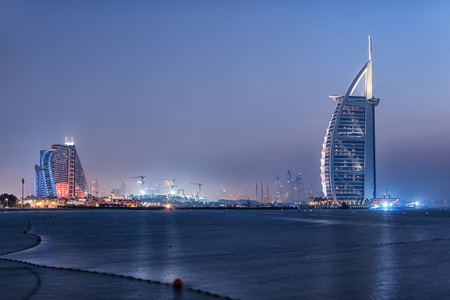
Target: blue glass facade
(60,174)
(348,154)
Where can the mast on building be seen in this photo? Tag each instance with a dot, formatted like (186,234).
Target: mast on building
(348,155)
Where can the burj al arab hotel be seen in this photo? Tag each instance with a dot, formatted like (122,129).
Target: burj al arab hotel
(348,154)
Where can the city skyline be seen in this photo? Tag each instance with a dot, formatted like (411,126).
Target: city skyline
(224,93)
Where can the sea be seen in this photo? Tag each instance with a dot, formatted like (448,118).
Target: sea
(245,253)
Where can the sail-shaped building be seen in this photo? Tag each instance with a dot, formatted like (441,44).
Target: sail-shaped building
(60,174)
(348,155)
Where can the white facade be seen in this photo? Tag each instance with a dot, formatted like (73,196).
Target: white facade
(348,155)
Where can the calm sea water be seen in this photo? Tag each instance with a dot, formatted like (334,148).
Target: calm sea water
(257,254)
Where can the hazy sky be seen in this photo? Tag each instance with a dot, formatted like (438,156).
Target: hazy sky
(221,92)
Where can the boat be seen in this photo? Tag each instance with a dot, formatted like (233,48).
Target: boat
(386,201)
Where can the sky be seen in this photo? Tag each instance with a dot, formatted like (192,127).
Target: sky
(224,93)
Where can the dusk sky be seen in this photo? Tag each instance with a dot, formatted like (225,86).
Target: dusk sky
(224,93)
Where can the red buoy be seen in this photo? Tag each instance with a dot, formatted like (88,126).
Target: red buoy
(39,239)
(177,282)
(24,231)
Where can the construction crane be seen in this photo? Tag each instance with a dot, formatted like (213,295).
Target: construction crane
(172,180)
(199,189)
(142,181)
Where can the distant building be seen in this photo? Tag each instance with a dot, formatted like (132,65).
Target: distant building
(122,191)
(278,186)
(95,188)
(60,174)
(348,153)
(279,195)
(439,202)
(288,192)
(299,190)
(124,188)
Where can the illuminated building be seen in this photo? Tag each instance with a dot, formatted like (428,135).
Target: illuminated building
(279,190)
(60,174)
(289,197)
(299,190)
(278,184)
(348,154)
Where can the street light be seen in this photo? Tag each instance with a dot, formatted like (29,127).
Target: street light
(6,202)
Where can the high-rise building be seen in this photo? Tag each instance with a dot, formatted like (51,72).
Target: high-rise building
(278,184)
(95,188)
(60,174)
(348,154)
(279,195)
(289,192)
(124,188)
(299,190)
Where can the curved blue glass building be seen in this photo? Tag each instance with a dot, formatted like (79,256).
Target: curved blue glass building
(348,155)
(60,174)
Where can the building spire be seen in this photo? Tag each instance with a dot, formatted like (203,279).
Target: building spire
(369,88)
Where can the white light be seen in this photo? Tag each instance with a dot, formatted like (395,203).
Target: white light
(142,192)
(417,203)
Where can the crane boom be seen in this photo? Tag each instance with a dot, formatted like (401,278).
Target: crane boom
(142,181)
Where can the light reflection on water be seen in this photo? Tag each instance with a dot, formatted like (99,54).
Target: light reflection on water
(256,254)
(384,279)
(319,221)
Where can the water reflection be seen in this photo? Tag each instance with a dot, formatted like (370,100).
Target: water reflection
(318,221)
(156,244)
(257,254)
(384,281)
